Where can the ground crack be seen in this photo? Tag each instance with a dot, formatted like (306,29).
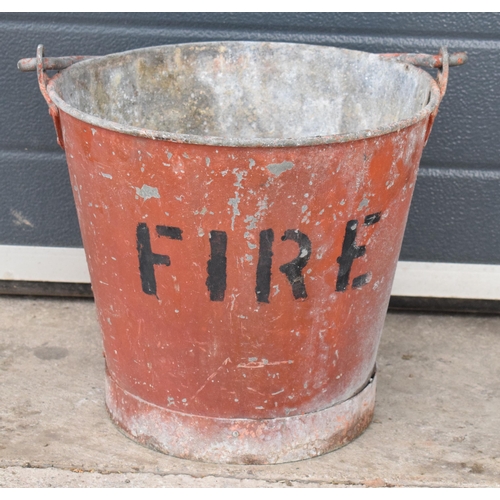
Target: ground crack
(287,481)
(290,482)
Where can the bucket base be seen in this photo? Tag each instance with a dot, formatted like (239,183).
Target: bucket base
(239,440)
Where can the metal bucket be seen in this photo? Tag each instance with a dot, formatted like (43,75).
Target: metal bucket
(242,207)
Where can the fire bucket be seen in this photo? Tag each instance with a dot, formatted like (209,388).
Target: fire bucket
(242,207)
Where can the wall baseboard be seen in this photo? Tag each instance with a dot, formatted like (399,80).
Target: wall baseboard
(51,264)
(447,280)
(413,279)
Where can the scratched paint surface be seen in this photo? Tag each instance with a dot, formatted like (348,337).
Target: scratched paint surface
(242,234)
(220,273)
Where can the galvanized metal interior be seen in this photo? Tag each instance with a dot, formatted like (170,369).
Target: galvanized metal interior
(246,93)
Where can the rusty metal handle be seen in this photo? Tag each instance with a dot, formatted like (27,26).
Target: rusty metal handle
(443,70)
(43,80)
(41,64)
(441,61)
(428,60)
(442,81)
(50,63)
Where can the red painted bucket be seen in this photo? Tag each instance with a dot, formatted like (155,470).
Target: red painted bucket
(242,207)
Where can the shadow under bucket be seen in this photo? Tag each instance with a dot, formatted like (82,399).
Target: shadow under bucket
(242,207)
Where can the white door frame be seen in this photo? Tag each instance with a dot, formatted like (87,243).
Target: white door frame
(413,279)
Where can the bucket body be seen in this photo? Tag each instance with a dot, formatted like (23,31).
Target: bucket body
(241,272)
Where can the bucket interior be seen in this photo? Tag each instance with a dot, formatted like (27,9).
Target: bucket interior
(245,90)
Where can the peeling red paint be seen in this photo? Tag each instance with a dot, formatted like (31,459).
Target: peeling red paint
(241,288)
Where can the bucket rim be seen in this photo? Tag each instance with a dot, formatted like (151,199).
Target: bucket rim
(209,140)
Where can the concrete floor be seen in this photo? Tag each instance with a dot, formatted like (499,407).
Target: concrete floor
(437,418)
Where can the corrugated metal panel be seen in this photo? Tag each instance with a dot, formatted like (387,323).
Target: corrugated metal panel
(456,206)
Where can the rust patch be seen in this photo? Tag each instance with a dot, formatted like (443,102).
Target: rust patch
(239,440)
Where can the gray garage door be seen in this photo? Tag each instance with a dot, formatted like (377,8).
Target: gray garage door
(453,231)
